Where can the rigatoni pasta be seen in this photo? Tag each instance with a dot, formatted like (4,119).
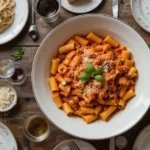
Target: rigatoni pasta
(57,99)
(66,48)
(55,64)
(92,77)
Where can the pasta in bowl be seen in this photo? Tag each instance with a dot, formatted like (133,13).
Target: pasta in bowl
(135,57)
(92,77)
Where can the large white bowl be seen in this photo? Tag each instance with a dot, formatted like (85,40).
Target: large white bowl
(101,25)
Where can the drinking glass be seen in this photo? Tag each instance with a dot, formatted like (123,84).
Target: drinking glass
(14,73)
(7,68)
(47,9)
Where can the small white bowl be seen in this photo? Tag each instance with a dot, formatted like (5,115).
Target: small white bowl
(15,96)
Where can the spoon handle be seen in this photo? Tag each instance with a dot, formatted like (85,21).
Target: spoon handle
(26,143)
(33,13)
(112,143)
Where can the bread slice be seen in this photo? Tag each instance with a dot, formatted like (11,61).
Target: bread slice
(71,1)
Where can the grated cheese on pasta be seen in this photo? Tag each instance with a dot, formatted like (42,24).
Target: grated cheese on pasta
(85,59)
(63,83)
(6,97)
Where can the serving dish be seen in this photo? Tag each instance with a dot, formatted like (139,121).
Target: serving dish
(19,22)
(141,12)
(102,25)
(81,6)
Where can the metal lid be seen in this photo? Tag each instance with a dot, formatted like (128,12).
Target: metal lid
(121,142)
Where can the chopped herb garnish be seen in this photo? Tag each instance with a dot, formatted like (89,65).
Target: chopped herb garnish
(18,54)
(91,72)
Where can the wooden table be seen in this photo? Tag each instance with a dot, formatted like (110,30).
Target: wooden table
(27,105)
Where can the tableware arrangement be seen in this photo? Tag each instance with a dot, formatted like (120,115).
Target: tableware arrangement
(6,137)
(103,25)
(142,141)
(81,145)
(81,6)
(141,12)
(19,22)
(7,104)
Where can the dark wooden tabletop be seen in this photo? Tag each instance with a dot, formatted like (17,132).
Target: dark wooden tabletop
(27,105)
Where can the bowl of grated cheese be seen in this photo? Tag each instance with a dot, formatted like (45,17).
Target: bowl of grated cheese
(8,97)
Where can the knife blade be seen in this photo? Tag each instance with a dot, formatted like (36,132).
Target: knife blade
(115,8)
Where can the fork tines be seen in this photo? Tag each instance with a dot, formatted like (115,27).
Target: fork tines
(72,145)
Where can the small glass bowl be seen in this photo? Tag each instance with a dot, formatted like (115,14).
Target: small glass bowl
(22,81)
(34,138)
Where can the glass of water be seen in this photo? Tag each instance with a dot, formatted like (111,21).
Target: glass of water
(47,9)
(7,68)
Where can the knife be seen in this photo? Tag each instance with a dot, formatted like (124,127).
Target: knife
(112,143)
(115,8)
(26,143)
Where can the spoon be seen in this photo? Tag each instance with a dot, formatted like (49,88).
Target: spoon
(121,142)
(33,33)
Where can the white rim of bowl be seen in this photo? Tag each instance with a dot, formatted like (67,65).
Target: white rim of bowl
(35,59)
(15,96)
(84,11)
(20,29)
(131,5)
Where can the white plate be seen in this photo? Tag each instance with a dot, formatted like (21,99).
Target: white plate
(81,6)
(7,140)
(101,25)
(142,141)
(20,19)
(81,144)
(141,13)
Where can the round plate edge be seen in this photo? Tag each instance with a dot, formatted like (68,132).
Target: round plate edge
(55,148)
(84,11)
(21,28)
(138,136)
(11,134)
(131,5)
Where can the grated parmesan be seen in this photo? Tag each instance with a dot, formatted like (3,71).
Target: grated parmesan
(6,97)
(63,83)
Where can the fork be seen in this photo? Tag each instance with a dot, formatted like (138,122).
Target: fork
(72,145)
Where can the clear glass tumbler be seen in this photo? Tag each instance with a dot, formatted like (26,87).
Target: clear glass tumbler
(47,9)
(14,73)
